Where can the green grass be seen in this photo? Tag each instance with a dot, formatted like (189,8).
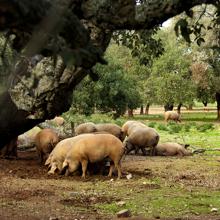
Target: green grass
(165,201)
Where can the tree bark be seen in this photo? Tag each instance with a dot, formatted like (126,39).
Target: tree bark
(179,108)
(130,113)
(78,29)
(168,107)
(142,110)
(217,96)
(205,103)
(147,109)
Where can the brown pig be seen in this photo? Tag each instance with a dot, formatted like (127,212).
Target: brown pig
(45,141)
(57,156)
(111,129)
(141,138)
(171,115)
(93,149)
(171,149)
(88,127)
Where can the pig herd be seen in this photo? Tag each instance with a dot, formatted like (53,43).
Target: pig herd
(100,142)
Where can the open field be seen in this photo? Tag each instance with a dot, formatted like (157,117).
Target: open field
(160,187)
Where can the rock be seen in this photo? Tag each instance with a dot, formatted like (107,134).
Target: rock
(121,203)
(53,218)
(214,210)
(125,213)
(129,176)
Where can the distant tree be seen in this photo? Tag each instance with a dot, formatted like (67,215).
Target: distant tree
(171,72)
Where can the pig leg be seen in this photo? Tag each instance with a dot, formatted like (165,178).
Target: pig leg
(84,168)
(118,167)
(111,169)
(144,152)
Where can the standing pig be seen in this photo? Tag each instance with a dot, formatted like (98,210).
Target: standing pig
(93,149)
(111,129)
(45,141)
(141,138)
(87,127)
(171,149)
(57,156)
(171,115)
(129,124)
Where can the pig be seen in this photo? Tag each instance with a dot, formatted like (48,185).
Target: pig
(141,138)
(93,149)
(10,149)
(171,149)
(57,156)
(112,129)
(28,138)
(171,115)
(45,141)
(87,127)
(129,124)
(58,120)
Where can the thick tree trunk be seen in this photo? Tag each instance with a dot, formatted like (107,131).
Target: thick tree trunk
(142,110)
(130,113)
(147,109)
(35,96)
(168,107)
(179,108)
(217,96)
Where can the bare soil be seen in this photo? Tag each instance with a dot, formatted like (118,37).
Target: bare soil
(27,192)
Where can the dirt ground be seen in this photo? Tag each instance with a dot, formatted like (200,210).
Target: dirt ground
(27,192)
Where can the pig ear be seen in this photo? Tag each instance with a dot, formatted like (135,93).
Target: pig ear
(65,164)
(186,145)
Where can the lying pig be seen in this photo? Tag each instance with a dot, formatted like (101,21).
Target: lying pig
(45,141)
(171,115)
(141,138)
(57,156)
(171,149)
(111,129)
(93,149)
(83,128)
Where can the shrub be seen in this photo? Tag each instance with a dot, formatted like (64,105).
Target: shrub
(152,124)
(174,128)
(162,127)
(205,127)
(187,127)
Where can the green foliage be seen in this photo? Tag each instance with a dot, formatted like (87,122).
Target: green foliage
(174,128)
(205,127)
(162,127)
(152,124)
(170,81)
(115,91)
(142,44)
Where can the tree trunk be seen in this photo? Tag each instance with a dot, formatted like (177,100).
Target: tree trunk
(142,110)
(147,109)
(217,96)
(130,113)
(205,103)
(179,108)
(168,107)
(34,97)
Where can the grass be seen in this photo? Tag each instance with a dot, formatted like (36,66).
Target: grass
(178,187)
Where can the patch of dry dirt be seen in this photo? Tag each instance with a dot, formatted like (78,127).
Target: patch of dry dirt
(27,192)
